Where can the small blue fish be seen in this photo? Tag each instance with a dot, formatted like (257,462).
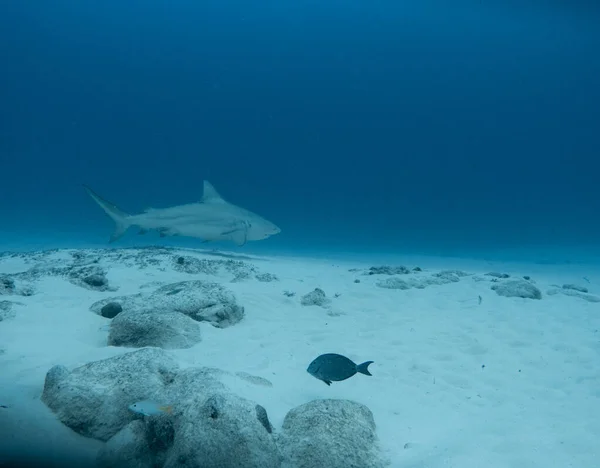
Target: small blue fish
(150,408)
(335,367)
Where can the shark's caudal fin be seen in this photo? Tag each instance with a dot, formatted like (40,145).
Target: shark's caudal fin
(210,194)
(364,368)
(118,216)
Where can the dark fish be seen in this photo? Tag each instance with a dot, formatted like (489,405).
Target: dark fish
(335,367)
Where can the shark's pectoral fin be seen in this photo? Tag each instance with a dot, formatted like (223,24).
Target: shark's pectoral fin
(239,237)
(239,234)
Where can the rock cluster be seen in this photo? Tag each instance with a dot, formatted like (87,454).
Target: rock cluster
(210,425)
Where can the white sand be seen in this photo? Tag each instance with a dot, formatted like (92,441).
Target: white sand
(508,383)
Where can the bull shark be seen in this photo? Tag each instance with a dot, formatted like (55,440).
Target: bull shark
(210,219)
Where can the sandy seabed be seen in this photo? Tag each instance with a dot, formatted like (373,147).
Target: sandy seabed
(463,376)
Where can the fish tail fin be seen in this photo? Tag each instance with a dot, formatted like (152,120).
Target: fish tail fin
(119,217)
(167,409)
(364,368)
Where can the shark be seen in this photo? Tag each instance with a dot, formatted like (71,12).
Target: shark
(210,219)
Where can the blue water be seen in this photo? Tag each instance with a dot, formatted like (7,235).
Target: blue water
(421,126)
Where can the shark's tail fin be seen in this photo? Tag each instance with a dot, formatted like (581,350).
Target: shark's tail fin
(118,216)
(364,368)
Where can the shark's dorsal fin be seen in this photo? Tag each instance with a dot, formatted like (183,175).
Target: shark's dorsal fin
(210,194)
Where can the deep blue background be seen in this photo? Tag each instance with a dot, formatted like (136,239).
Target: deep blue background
(352,124)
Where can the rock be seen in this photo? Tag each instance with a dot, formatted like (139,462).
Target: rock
(128,448)
(495,274)
(6,310)
(210,427)
(388,270)
(575,287)
(200,300)
(90,277)
(421,281)
(194,266)
(222,430)
(266,277)
(451,275)
(167,330)
(96,281)
(7,285)
(111,310)
(330,433)
(316,297)
(573,293)
(517,288)
(394,283)
(241,275)
(93,399)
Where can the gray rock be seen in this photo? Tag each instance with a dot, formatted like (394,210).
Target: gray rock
(191,265)
(316,297)
(266,277)
(330,433)
(6,310)
(7,285)
(388,270)
(111,310)
(128,448)
(90,277)
(167,330)
(573,293)
(576,287)
(394,283)
(96,281)
(210,427)
(194,266)
(495,274)
(517,288)
(202,301)
(422,281)
(451,275)
(93,399)
(222,430)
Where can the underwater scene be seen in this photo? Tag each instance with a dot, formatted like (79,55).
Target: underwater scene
(300,234)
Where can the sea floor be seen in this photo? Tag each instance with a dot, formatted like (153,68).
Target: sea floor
(463,376)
